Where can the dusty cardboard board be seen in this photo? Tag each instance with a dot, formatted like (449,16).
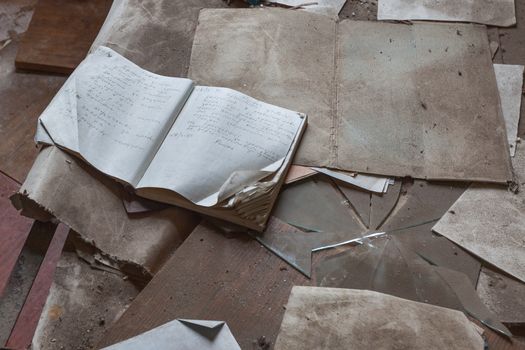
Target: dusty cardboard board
(510,85)
(91,204)
(81,305)
(333,318)
(491,12)
(382,98)
(489,221)
(503,296)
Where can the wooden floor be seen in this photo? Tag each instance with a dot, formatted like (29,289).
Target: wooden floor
(234,279)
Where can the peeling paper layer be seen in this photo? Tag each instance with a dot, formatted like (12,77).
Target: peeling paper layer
(492,12)
(186,334)
(337,319)
(91,204)
(372,183)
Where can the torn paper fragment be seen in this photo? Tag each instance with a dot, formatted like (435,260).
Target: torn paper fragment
(91,204)
(489,221)
(298,172)
(491,12)
(183,335)
(510,84)
(329,8)
(372,183)
(337,319)
(389,265)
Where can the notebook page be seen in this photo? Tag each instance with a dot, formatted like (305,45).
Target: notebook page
(221,142)
(115,114)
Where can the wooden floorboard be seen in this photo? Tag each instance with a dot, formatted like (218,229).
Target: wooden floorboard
(60,34)
(27,321)
(212,277)
(14,230)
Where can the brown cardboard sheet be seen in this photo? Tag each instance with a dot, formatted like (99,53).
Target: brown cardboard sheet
(489,221)
(59,185)
(490,12)
(391,99)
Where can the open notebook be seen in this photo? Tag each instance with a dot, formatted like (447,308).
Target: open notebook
(213,150)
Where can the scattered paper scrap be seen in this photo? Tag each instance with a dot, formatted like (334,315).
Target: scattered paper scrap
(324,7)
(334,318)
(183,335)
(492,12)
(372,183)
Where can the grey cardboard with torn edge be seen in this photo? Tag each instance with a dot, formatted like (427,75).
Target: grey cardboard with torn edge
(155,35)
(378,95)
(510,87)
(489,221)
(334,318)
(491,12)
(91,204)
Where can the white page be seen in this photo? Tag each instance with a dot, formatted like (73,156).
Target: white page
(221,142)
(115,114)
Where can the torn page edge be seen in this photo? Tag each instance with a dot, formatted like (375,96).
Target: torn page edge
(32,209)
